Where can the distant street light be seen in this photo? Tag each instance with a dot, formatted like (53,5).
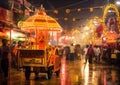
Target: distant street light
(118,2)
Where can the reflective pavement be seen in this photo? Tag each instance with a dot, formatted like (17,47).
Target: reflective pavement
(72,73)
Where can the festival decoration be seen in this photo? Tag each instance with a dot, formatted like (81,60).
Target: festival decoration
(114,7)
(20,23)
(41,24)
(67,11)
(74,19)
(91,9)
(111,37)
(56,11)
(66,19)
(78,9)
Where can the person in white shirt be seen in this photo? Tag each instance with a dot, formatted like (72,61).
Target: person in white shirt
(72,51)
(97,53)
(85,53)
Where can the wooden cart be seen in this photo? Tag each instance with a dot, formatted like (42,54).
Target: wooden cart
(37,59)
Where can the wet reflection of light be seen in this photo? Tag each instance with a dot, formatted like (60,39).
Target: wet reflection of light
(86,73)
(63,71)
(82,66)
(105,78)
(32,82)
(95,76)
(113,74)
(76,78)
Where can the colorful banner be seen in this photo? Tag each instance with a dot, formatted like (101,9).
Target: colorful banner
(6,15)
(3,14)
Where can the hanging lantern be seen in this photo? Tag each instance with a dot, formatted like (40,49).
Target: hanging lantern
(20,23)
(56,11)
(78,9)
(101,7)
(74,19)
(91,9)
(67,11)
(65,19)
(56,18)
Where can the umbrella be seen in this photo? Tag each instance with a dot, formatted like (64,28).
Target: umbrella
(41,21)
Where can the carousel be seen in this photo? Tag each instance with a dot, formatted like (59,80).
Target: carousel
(45,29)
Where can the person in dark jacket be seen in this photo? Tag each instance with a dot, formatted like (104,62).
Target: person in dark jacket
(4,51)
(90,54)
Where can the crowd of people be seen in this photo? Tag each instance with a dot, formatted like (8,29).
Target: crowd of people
(94,53)
(7,61)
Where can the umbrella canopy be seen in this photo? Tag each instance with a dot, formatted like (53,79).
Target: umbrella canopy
(41,21)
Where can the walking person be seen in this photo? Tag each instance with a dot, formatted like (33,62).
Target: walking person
(4,51)
(97,53)
(90,54)
(72,52)
(57,63)
(109,50)
(85,53)
(78,52)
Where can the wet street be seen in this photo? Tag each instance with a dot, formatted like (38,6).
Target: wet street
(72,73)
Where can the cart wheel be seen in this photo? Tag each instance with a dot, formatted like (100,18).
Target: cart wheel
(27,72)
(49,72)
(57,73)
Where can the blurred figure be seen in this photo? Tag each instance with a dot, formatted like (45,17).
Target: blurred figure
(57,63)
(72,52)
(90,54)
(78,51)
(104,53)
(14,55)
(97,53)
(109,50)
(66,52)
(61,51)
(4,51)
(85,53)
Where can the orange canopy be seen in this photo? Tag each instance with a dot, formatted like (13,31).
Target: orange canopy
(41,21)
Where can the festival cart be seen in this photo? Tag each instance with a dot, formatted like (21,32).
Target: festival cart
(38,58)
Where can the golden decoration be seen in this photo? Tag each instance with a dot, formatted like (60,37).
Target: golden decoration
(20,23)
(74,19)
(114,7)
(67,11)
(78,9)
(56,11)
(101,7)
(91,9)
(65,19)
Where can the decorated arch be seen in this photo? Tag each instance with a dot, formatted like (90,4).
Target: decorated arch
(107,8)
(97,27)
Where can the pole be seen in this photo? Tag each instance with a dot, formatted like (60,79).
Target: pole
(10,58)
(9,66)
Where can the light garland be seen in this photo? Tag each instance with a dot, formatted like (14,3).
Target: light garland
(116,11)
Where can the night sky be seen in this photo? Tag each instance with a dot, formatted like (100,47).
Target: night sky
(81,17)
